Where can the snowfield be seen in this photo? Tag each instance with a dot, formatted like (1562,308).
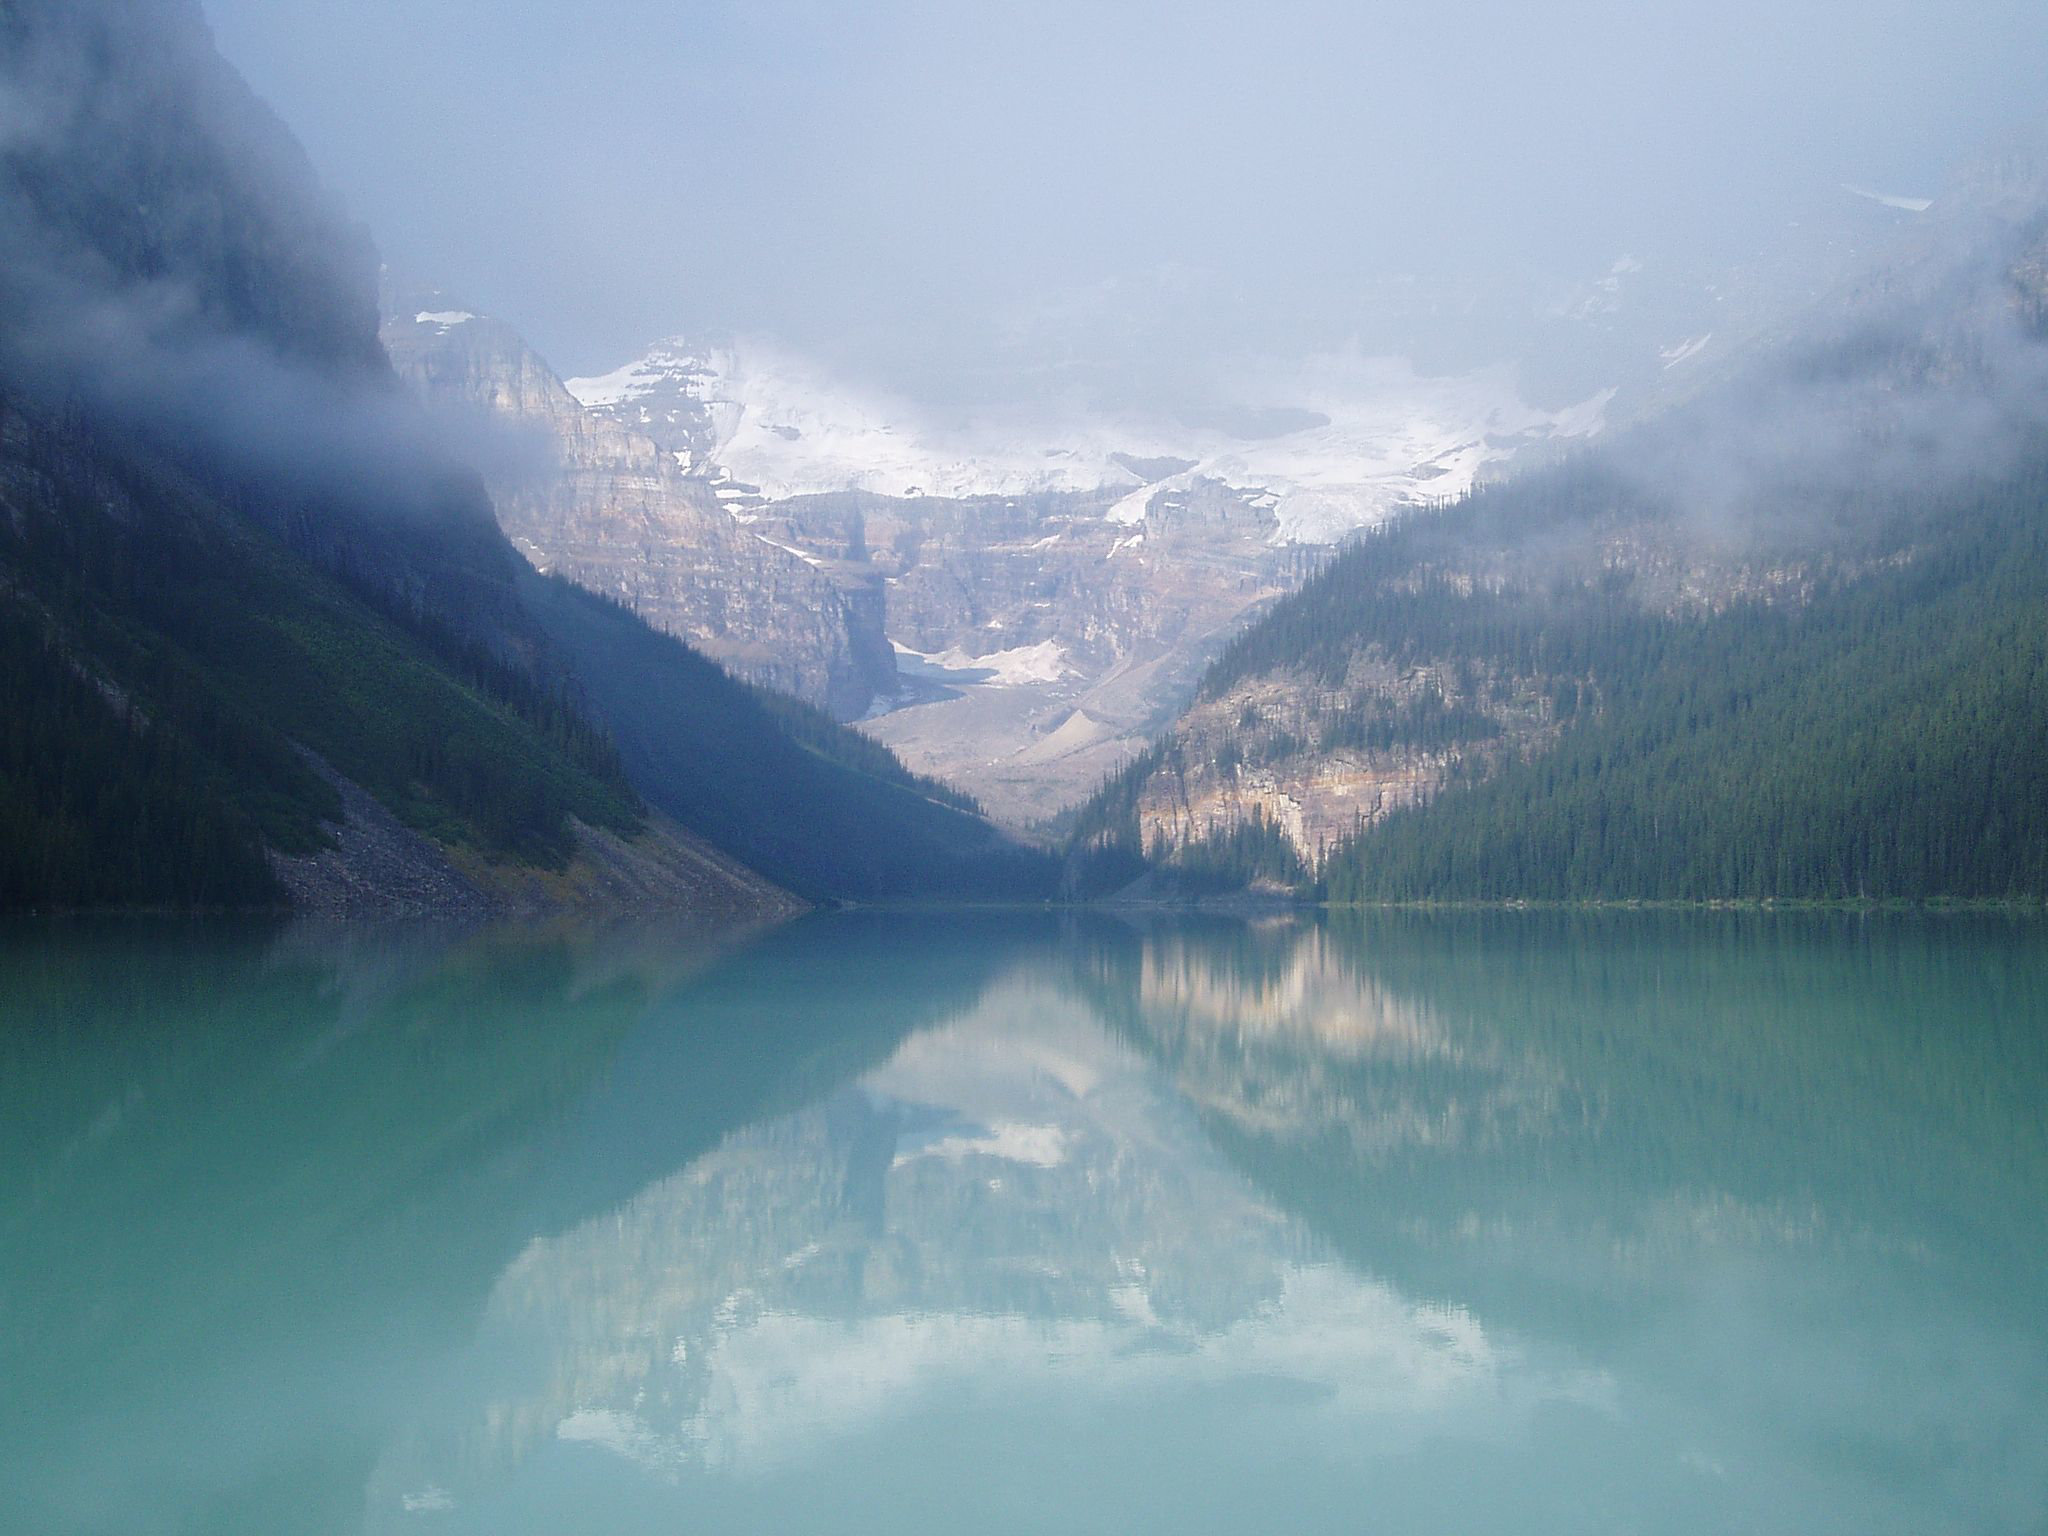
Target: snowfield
(1337,442)
(1021,667)
(1684,351)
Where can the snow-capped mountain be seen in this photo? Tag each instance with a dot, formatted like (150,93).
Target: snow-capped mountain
(1017,595)
(606,507)
(1334,444)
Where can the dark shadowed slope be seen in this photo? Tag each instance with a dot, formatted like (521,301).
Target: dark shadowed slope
(258,619)
(823,812)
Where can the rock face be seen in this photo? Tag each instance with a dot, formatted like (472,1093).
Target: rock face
(263,640)
(610,508)
(1052,576)
(1274,748)
(1321,757)
(1038,642)
(1041,642)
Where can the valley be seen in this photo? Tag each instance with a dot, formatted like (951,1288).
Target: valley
(896,768)
(1012,607)
(1018,598)
(327,589)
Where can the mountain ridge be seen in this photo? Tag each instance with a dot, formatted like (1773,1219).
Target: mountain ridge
(1017,642)
(1545,691)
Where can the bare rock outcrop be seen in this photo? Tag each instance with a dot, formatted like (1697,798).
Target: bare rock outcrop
(379,867)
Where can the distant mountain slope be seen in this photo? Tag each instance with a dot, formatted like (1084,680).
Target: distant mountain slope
(221,623)
(1054,577)
(1017,646)
(1790,640)
(1328,443)
(600,501)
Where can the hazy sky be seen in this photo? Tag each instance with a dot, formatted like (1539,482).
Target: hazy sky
(926,180)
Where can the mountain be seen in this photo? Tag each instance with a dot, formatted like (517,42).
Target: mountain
(1010,604)
(601,501)
(776,783)
(1053,577)
(265,641)
(1786,640)
(1332,443)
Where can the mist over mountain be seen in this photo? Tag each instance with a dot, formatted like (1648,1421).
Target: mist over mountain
(1784,639)
(1130,199)
(784,766)
(266,643)
(815,594)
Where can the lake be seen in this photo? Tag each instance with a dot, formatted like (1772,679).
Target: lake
(912,1223)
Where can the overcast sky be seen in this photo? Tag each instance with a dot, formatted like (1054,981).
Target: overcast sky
(917,178)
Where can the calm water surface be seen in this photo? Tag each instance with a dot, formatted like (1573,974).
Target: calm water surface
(1510,1222)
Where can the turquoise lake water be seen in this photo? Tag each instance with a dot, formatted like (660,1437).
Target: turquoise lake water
(1514,1222)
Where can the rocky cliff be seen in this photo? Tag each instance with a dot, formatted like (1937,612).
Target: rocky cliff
(606,505)
(1038,641)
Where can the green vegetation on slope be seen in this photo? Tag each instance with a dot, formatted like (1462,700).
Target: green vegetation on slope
(166,660)
(1104,847)
(1104,851)
(818,814)
(1877,728)
(1401,588)
(818,732)
(1251,852)
(234,566)
(93,810)
(1886,739)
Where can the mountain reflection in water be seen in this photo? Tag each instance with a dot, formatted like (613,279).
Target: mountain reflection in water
(1501,1221)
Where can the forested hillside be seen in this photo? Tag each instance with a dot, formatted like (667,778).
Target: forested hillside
(234,577)
(182,689)
(1789,642)
(811,804)
(1874,726)
(263,640)
(1887,738)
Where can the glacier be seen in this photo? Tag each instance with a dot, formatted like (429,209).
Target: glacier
(1332,443)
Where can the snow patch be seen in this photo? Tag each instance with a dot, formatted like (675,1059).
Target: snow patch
(1133,507)
(787,549)
(1685,350)
(1890,199)
(1367,434)
(1020,667)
